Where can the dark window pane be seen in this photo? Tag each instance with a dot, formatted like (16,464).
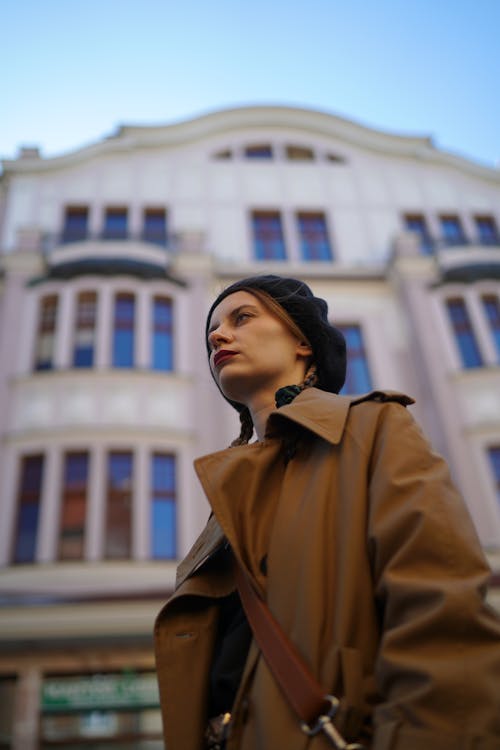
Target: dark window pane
(299,153)
(464,334)
(226,153)
(162,334)
(487,230)
(491,307)
(115,224)
(28,504)
(259,151)
(269,243)
(314,241)
(73,507)
(453,234)
(119,506)
(83,353)
(155,226)
(358,379)
(123,334)
(46,333)
(163,511)
(416,223)
(75,223)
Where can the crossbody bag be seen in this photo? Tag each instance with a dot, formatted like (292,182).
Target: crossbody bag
(315,709)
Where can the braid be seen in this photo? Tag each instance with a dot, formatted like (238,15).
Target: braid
(294,432)
(246,430)
(310,379)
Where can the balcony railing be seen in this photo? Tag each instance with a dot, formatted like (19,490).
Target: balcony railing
(68,237)
(431,245)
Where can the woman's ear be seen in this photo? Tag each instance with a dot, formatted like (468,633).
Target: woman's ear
(304,349)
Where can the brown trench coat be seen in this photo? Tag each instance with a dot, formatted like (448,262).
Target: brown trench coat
(374,570)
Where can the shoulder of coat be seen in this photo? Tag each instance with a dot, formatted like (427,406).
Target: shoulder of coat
(382,397)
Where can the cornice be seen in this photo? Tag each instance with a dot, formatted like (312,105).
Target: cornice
(128,138)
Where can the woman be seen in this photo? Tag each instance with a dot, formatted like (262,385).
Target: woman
(348,527)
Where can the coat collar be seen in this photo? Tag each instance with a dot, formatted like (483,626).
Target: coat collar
(325,414)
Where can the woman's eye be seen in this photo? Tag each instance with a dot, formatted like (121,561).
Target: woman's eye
(242,316)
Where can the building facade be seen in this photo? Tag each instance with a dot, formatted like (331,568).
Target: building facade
(110,257)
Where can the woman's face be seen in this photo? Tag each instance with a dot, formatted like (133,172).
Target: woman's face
(252,351)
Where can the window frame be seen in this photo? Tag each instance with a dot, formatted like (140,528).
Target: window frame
(85,326)
(308,248)
(46,331)
(24,497)
(113,499)
(73,494)
(460,238)
(159,496)
(111,232)
(362,359)
(79,233)
(261,244)
(463,333)
(125,325)
(426,242)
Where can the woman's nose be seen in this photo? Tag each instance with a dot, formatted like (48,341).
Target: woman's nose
(218,335)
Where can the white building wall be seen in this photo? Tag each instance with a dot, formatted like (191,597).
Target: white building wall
(210,201)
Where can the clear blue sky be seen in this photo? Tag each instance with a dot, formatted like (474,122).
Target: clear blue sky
(73,70)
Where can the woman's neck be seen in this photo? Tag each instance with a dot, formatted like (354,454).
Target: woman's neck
(260,413)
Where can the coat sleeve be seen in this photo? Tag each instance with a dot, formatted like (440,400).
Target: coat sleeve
(438,666)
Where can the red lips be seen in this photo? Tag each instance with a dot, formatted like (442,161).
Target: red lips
(223,355)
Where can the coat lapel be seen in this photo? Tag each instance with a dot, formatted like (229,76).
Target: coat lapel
(209,540)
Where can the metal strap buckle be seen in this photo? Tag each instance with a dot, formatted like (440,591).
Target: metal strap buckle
(324,724)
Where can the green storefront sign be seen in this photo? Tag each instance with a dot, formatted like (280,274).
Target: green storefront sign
(102,691)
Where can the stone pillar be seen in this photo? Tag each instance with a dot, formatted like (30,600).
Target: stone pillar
(26,710)
(96,501)
(141,511)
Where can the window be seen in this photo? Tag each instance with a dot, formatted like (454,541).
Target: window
(123,334)
(46,333)
(335,158)
(416,223)
(358,379)
(299,153)
(269,243)
(259,151)
(73,507)
(494,454)
(118,506)
(115,224)
(155,226)
(464,334)
(75,223)
(163,509)
(162,343)
(487,230)
(28,509)
(83,352)
(223,155)
(452,231)
(314,242)
(491,307)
